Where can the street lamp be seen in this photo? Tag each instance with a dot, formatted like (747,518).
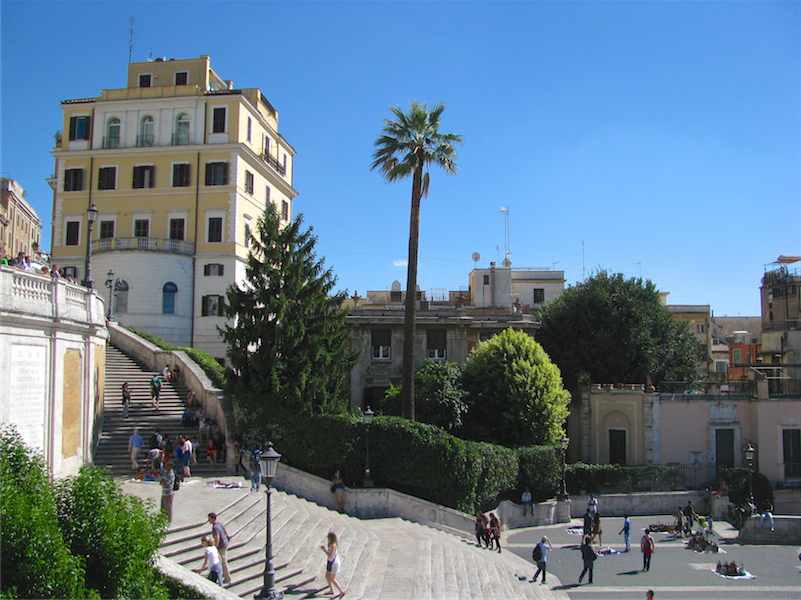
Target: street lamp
(110,286)
(749,456)
(91,217)
(268,465)
(368,418)
(565,441)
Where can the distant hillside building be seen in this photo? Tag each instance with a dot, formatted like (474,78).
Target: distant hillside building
(180,164)
(20,226)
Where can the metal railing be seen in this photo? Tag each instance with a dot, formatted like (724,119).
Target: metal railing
(180,139)
(273,162)
(144,140)
(143,243)
(111,141)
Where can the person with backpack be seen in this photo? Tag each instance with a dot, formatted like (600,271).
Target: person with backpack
(647,548)
(588,555)
(540,556)
(155,391)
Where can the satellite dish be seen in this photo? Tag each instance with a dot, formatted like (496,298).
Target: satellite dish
(476,258)
(506,263)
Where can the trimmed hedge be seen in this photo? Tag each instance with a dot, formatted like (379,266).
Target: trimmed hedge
(540,471)
(213,369)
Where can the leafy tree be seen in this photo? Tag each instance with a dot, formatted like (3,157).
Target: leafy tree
(616,330)
(117,534)
(35,559)
(439,396)
(514,392)
(408,146)
(288,347)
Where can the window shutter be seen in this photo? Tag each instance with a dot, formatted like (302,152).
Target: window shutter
(87,127)
(206,270)
(152,176)
(225,173)
(208,173)
(136,172)
(72,127)
(204,311)
(221,269)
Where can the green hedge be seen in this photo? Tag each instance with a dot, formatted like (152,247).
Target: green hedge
(213,369)
(592,478)
(540,471)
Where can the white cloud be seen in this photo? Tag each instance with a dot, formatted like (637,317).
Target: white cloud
(401,263)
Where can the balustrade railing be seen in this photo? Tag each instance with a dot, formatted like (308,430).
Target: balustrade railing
(143,243)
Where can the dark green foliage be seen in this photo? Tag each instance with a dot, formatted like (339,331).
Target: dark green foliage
(411,457)
(596,478)
(438,396)
(737,480)
(540,471)
(617,331)
(213,369)
(35,559)
(289,346)
(514,392)
(114,533)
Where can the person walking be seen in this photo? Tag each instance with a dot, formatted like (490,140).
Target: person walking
(212,559)
(155,391)
(134,446)
(588,522)
(126,399)
(221,541)
(495,529)
(647,549)
(588,555)
(596,529)
(332,563)
(187,457)
(626,531)
(167,481)
(540,556)
(339,491)
(592,504)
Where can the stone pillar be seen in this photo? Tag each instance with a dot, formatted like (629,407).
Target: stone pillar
(563,511)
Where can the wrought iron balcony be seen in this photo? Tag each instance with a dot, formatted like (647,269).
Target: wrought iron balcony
(147,244)
(111,141)
(144,140)
(273,162)
(181,139)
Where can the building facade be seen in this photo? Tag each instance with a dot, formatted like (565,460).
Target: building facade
(20,226)
(179,165)
(781,322)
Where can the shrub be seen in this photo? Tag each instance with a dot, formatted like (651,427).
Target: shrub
(737,479)
(540,471)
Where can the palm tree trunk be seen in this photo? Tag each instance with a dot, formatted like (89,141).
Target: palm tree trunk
(407,397)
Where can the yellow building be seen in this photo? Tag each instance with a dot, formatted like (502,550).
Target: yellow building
(179,164)
(20,226)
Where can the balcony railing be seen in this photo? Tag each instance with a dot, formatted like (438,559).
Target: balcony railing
(273,162)
(180,139)
(147,244)
(144,140)
(111,141)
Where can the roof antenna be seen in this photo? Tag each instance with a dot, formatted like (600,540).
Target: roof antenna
(506,250)
(131,39)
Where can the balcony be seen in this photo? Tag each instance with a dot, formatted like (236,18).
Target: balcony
(144,140)
(181,139)
(111,141)
(273,162)
(146,244)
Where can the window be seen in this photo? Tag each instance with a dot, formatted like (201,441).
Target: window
(539,295)
(121,296)
(285,210)
(73,233)
(177,227)
(737,356)
(217,173)
(249,182)
(112,139)
(486,279)
(144,177)
(181,78)
(180,175)
(145,80)
(791,441)
(266,144)
(71,271)
(168,298)
(213,270)
(212,306)
(146,129)
(380,341)
(79,128)
(73,180)
(218,120)
(215,229)
(437,339)
(284,162)
(267,195)
(181,130)
(107,178)
(246,242)
(141,228)
(250,127)
(700,329)
(106,229)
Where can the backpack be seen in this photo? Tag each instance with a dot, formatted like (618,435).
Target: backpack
(536,554)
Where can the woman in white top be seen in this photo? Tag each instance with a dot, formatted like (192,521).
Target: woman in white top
(211,558)
(332,563)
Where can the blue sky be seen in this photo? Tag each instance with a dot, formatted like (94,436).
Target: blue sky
(659,139)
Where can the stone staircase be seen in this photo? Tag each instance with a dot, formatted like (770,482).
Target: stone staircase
(381,558)
(112,449)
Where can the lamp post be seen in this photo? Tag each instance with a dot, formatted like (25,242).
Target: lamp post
(749,456)
(268,465)
(368,418)
(110,286)
(565,441)
(91,217)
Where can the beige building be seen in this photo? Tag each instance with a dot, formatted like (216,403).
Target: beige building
(20,226)
(179,164)
(781,322)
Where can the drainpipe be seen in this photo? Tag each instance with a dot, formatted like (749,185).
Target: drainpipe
(194,252)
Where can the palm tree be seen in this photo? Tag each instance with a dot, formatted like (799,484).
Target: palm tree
(407,146)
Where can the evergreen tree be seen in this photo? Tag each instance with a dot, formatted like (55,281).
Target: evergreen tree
(288,347)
